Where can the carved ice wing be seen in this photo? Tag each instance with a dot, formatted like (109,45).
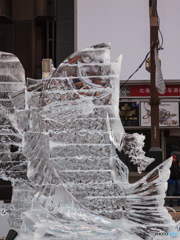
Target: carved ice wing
(51,193)
(69,104)
(145,202)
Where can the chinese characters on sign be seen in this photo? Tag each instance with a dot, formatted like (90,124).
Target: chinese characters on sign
(144,90)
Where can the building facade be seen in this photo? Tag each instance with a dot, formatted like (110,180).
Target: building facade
(136,115)
(37,29)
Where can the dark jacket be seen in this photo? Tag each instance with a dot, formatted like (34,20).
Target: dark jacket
(175,171)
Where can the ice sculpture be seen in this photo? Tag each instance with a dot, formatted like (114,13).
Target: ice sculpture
(133,146)
(13,164)
(70,128)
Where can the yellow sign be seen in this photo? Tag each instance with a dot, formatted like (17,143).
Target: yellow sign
(126,111)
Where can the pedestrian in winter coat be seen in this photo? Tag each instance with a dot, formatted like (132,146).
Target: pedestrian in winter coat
(174,181)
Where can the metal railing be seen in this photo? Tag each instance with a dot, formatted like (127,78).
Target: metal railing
(172,209)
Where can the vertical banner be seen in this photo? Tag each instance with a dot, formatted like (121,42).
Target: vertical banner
(129,113)
(159,77)
(168,114)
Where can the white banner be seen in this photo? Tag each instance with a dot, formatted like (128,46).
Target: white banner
(159,77)
(168,114)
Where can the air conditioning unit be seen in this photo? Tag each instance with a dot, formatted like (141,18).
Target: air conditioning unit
(47,67)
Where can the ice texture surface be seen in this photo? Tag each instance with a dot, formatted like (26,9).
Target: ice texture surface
(13,164)
(133,146)
(70,128)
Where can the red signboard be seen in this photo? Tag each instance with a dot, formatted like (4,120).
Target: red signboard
(144,91)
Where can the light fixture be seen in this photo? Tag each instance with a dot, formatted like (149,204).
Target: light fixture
(148,64)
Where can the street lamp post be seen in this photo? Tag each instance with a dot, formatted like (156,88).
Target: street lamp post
(155,150)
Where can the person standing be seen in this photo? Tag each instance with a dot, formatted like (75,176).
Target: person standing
(174,181)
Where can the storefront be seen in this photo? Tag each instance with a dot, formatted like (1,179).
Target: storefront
(134,110)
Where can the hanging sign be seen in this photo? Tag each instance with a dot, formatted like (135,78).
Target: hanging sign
(159,77)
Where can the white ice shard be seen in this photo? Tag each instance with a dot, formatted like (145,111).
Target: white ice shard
(70,128)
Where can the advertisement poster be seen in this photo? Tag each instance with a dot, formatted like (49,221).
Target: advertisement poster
(168,114)
(129,113)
